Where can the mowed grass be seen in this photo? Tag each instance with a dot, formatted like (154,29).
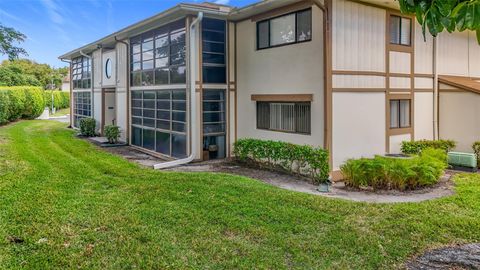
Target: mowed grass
(76,206)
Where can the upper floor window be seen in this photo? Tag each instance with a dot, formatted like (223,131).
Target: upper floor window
(158,57)
(400,113)
(400,30)
(287,29)
(81,73)
(213,51)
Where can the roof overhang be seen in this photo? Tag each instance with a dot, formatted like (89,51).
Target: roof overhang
(464,83)
(169,15)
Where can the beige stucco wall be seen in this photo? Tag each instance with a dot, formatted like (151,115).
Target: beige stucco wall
(459,118)
(112,81)
(358,126)
(459,54)
(423,108)
(291,69)
(396,142)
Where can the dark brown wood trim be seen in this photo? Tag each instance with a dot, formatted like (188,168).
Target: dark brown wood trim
(401,131)
(423,90)
(328,20)
(358,72)
(283,97)
(359,90)
(282,10)
(406,90)
(419,75)
(401,75)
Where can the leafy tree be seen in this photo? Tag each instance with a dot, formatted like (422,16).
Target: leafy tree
(27,72)
(440,15)
(8,37)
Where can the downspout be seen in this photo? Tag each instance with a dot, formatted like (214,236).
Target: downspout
(69,62)
(193,105)
(92,99)
(127,86)
(436,134)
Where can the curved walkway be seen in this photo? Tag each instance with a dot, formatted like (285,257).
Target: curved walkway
(339,191)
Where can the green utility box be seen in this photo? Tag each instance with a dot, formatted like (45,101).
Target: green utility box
(462,161)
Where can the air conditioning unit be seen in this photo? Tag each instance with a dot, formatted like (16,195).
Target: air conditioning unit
(462,161)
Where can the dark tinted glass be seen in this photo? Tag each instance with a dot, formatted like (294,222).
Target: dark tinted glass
(163,143)
(214,74)
(149,139)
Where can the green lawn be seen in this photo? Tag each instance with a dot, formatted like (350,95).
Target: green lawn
(98,211)
(62,112)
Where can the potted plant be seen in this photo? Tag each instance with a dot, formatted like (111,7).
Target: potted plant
(112,133)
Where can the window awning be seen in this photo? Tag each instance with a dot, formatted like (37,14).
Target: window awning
(465,83)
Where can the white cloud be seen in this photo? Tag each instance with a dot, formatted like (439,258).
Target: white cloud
(53,11)
(222,2)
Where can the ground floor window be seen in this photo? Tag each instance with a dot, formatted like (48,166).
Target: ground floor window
(159,121)
(214,123)
(284,116)
(82,107)
(400,113)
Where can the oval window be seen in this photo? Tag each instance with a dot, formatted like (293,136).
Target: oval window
(108,68)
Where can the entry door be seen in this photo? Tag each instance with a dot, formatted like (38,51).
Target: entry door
(109,108)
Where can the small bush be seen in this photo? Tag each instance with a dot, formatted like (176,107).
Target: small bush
(87,127)
(17,104)
(416,147)
(396,173)
(112,133)
(300,159)
(476,150)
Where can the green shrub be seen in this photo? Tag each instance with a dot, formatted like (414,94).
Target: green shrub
(17,104)
(87,127)
(112,133)
(396,173)
(300,159)
(61,99)
(416,147)
(4,107)
(476,150)
(34,102)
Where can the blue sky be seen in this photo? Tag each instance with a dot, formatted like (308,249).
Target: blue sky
(54,27)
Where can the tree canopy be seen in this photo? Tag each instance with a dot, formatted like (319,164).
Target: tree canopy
(440,15)
(22,72)
(8,37)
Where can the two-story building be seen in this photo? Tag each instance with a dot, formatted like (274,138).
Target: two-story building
(355,77)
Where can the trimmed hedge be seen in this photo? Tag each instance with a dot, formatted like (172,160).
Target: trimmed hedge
(61,99)
(298,159)
(416,147)
(396,173)
(20,102)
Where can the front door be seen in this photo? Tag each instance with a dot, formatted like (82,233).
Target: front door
(109,108)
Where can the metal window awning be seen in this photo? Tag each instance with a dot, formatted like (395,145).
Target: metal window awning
(464,83)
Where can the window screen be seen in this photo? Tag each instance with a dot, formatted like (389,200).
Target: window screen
(81,107)
(400,113)
(286,29)
(284,116)
(159,121)
(400,30)
(158,57)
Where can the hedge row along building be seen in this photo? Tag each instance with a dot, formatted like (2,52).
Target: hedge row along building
(355,77)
